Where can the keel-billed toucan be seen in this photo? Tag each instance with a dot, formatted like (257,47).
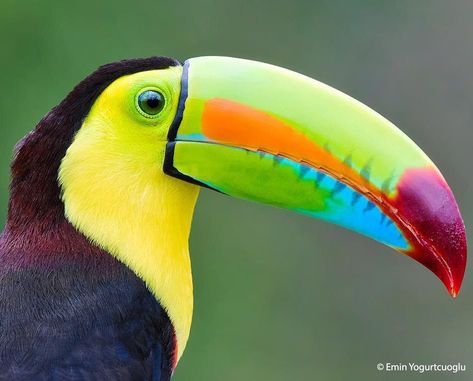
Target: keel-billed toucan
(95,274)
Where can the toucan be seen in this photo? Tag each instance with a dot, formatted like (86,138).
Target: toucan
(95,273)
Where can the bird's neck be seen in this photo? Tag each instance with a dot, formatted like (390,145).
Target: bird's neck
(139,215)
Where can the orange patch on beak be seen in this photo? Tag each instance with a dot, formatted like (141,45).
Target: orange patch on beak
(238,125)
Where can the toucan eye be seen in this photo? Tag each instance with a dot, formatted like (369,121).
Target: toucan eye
(151,102)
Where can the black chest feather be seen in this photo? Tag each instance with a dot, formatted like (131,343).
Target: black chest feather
(81,321)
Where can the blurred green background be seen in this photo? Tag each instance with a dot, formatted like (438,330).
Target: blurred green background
(279,296)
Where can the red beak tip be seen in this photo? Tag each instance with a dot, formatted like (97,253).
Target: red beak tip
(437,233)
(453,291)
(453,283)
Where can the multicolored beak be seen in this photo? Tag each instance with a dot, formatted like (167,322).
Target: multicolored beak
(267,134)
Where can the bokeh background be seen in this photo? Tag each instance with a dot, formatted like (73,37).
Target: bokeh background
(279,296)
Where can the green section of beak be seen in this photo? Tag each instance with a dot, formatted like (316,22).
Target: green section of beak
(281,182)
(267,134)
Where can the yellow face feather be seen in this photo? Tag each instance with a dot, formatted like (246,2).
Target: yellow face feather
(115,191)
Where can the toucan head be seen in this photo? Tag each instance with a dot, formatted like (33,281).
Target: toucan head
(154,135)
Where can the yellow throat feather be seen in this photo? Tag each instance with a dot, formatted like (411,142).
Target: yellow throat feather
(115,192)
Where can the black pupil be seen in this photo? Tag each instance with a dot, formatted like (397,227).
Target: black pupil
(151,102)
